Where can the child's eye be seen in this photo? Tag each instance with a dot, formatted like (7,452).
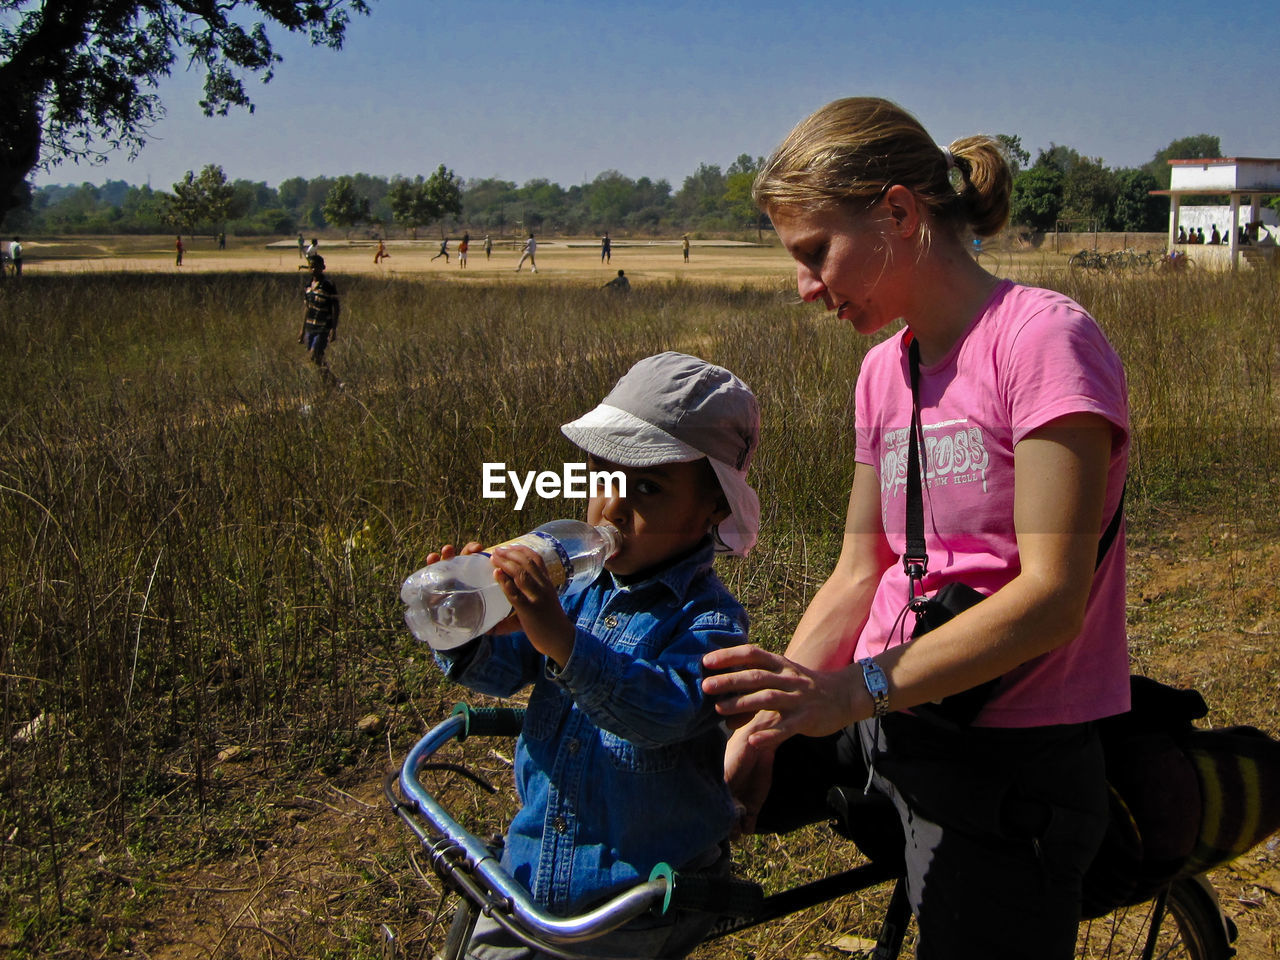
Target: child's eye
(647,487)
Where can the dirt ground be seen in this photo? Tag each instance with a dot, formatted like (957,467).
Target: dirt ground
(560,259)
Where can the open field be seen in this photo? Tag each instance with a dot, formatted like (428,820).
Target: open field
(203,672)
(574,260)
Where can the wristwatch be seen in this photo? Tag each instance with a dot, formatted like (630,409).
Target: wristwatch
(877,686)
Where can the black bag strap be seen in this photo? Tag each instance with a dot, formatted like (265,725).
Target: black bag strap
(915,561)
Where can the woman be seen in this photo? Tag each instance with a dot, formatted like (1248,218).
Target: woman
(1023,451)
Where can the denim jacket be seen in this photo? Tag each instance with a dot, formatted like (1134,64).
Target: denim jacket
(621,762)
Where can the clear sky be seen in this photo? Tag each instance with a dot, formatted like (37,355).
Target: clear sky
(565,90)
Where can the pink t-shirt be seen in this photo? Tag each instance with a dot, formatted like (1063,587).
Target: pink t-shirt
(1029,357)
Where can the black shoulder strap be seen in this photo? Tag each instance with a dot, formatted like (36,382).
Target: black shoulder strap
(916,559)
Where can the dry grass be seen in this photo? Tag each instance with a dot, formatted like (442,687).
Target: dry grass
(201,544)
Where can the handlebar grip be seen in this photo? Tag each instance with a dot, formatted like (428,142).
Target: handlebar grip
(490,721)
(722,896)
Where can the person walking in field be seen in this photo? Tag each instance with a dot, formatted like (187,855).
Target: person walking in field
(462,250)
(15,257)
(178,247)
(302,248)
(444,251)
(684,247)
(530,254)
(488,247)
(320,319)
(606,249)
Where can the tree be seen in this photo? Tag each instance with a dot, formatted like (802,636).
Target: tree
(1135,208)
(610,199)
(203,200)
(1012,146)
(1059,157)
(1200,146)
(344,206)
(1037,196)
(411,204)
(738,181)
(444,190)
(76,76)
(701,194)
(1089,191)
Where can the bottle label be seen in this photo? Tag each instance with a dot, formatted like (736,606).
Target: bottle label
(553,554)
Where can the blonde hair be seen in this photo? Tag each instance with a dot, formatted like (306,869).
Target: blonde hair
(852,150)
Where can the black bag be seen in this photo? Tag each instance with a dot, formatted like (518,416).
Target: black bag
(1183,799)
(931,613)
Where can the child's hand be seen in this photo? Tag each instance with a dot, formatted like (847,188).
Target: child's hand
(536,601)
(447,552)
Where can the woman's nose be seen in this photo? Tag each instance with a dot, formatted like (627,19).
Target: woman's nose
(809,284)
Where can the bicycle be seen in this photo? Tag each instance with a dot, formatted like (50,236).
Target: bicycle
(1175,262)
(470,868)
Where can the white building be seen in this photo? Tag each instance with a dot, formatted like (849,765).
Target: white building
(1245,180)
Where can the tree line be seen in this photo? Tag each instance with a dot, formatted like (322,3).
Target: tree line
(1061,188)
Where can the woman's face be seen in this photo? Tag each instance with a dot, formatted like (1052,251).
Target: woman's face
(848,261)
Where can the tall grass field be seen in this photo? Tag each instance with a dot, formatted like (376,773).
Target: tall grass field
(202,541)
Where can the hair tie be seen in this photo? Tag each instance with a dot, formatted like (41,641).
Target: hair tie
(948,156)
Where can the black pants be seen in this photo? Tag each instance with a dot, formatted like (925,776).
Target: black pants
(998,825)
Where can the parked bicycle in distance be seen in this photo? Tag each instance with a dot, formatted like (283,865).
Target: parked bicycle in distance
(1176,261)
(1127,259)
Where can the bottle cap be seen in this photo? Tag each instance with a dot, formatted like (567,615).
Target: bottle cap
(612,537)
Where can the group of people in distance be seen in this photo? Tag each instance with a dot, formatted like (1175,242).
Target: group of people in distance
(625,760)
(1244,234)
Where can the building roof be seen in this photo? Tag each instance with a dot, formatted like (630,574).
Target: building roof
(1221,160)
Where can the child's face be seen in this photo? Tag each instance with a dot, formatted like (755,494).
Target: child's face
(667,510)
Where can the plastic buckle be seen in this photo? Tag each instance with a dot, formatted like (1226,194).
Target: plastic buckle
(916,568)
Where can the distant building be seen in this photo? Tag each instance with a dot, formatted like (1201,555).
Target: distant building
(1245,180)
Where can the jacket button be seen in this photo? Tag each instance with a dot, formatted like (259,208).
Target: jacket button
(574,746)
(560,824)
(611,621)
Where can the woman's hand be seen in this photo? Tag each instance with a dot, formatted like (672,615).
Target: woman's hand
(785,698)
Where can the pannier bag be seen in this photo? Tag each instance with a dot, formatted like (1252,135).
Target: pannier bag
(1183,800)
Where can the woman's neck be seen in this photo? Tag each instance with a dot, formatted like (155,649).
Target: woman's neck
(952,289)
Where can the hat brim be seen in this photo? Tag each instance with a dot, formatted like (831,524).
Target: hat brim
(613,434)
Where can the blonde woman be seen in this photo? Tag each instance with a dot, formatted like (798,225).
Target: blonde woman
(1022,442)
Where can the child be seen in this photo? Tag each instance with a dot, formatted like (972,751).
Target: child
(320,321)
(620,765)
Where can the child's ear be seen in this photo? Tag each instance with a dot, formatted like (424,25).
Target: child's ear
(721,511)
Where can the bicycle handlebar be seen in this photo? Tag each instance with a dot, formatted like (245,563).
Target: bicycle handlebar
(461,857)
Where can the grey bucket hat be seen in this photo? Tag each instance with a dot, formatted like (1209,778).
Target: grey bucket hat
(673,408)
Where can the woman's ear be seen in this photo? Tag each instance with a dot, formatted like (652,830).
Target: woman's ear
(903,208)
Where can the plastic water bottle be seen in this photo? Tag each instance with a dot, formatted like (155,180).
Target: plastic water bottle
(453,601)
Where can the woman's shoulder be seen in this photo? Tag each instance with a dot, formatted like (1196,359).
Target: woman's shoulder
(1019,304)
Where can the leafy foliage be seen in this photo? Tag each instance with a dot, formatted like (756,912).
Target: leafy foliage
(203,200)
(343,206)
(77,76)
